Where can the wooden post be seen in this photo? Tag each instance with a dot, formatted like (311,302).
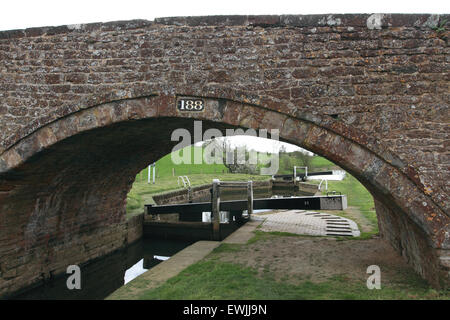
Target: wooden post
(250,198)
(215,209)
(173,172)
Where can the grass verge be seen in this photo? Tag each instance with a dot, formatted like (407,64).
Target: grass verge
(213,279)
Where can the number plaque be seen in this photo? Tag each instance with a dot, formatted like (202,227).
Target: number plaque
(190,104)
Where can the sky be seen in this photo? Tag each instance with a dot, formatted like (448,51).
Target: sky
(260,144)
(20,14)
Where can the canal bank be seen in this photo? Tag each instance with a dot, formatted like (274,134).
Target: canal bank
(174,227)
(251,264)
(103,275)
(180,261)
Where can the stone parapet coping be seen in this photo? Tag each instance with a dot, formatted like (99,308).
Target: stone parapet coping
(371,21)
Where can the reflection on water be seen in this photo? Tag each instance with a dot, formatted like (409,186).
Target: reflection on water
(103,276)
(135,271)
(138,269)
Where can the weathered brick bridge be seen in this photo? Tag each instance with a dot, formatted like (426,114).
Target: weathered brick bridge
(83,108)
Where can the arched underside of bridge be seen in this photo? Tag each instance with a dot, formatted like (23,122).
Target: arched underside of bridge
(63,188)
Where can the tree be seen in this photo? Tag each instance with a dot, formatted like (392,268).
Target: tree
(303,159)
(236,160)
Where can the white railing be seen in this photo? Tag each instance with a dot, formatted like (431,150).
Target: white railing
(320,184)
(185,180)
(153,165)
(295,172)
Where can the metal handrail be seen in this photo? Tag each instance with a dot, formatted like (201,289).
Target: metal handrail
(295,173)
(182,179)
(189,182)
(320,184)
(185,182)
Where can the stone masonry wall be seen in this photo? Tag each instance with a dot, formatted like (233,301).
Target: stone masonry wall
(411,243)
(83,108)
(135,228)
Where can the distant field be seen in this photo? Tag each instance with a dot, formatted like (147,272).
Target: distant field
(167,173)
(322,163)
(316,163)
(165,165)
(167,178)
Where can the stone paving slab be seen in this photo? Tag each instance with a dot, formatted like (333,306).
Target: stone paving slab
(307,223)
(244,233)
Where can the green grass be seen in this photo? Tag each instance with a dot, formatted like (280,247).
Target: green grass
(321,163)
(228,247)
(287,162)
(213,279)
(165,165)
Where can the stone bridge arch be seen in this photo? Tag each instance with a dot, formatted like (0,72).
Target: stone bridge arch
(65,173)
(81,199)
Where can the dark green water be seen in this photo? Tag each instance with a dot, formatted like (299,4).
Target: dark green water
(104,275)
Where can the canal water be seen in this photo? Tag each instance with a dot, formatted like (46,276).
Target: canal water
(104,275)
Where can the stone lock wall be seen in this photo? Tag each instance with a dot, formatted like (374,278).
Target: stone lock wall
(202,193)
(83,108)
(135,228)
(182,195)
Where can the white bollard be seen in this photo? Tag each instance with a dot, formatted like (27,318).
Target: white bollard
(154,172)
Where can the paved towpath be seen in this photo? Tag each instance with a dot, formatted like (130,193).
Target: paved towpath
(307,223)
